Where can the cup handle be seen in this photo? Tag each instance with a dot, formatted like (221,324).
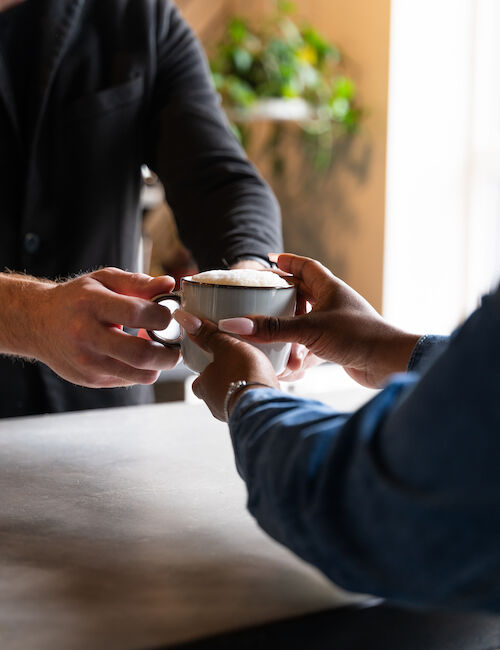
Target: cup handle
(163,337)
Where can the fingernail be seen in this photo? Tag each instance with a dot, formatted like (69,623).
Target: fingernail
(243,326)
(273,257)
(190,323)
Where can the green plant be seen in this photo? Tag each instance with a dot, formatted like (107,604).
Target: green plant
(282,59)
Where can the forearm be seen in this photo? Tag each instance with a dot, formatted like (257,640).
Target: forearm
(223,207)
(302,463)
(20,297)
(224,210)
(399,499)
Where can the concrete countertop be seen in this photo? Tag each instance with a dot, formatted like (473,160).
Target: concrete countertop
(127,528)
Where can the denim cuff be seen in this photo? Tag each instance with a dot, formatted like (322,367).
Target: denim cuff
(425,351)
(248,399)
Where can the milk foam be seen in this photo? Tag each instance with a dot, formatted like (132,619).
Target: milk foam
(241,278)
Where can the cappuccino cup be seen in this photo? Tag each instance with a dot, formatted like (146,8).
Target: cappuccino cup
(215,295)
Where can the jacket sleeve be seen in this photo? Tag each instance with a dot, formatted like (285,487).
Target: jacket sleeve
(400,499)
(223,208)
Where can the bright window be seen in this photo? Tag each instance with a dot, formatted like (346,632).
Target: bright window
(443,173)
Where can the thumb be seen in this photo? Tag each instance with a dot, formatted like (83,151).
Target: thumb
(203,332)
(266,329)
(139,285)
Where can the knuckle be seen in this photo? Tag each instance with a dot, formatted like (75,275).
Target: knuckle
(84,300)
(85,363)
(91,377)
(75,332)
(197,387)
(162,315)
(136,278)
(105,271)
(145,356)
(272,326)
(207,333)
(132,312)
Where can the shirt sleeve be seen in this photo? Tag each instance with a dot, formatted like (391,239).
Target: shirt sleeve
(426,349)
(399,499)
(223,208)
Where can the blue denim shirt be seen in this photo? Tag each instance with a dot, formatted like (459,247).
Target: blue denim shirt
(400,499)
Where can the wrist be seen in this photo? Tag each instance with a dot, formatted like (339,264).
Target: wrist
(21,321)
(235,392)
(393,353)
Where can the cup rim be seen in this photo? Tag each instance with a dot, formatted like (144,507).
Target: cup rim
(188,280)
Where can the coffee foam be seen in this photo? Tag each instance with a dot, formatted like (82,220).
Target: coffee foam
(241,278)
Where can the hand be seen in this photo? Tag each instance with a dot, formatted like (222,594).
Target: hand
(233,360)
(300,360)
(77,328)
(342,326)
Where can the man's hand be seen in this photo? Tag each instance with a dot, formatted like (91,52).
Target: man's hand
(76,327)
(342,326)
(233,360)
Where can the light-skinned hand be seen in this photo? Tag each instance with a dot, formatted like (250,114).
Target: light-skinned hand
(342,326)
(76,328)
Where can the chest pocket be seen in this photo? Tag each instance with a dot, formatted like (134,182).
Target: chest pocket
(95,169)
(106,101)
(99,139)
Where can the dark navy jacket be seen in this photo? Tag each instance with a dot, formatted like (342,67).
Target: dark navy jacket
(400,499)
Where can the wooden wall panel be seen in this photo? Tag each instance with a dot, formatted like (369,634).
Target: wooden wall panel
(346,230)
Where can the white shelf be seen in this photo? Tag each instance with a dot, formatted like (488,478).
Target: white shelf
(279,110)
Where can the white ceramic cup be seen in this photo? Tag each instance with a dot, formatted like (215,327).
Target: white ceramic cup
(217,301)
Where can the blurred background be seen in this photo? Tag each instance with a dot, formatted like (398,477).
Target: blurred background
(377,123)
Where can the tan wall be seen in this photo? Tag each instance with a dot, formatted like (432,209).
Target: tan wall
(206,17)
(349,208)
(341,219)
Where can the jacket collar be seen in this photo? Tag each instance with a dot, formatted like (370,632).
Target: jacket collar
(59,21)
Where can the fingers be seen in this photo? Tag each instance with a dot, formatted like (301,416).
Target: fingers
(131,312)
(266,329)
(300,361)
(94,370)
(138,352)
(110,373)
(204,333)
(293,370)
(139,285)
(312,275)
(301,267)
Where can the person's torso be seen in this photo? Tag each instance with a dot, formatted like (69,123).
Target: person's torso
(73,89)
